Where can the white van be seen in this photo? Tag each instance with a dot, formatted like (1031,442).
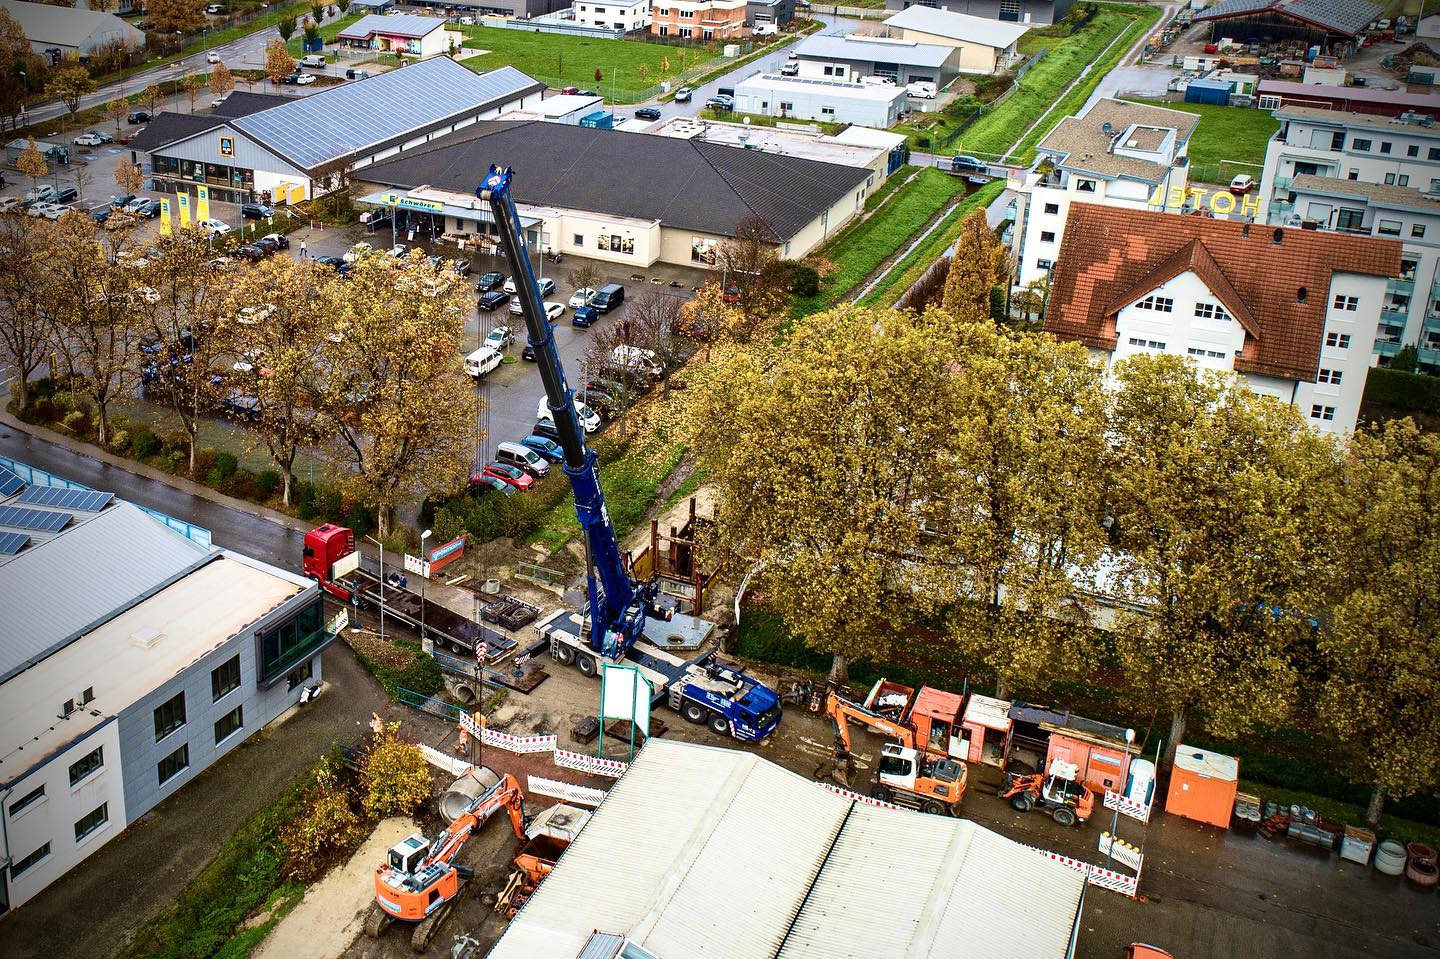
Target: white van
(514,454)
(634,359)
(483,361)
(315,61)
(921,89)
(588,418)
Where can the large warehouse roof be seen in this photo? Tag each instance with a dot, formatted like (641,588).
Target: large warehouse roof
(682,183)
(870,49)
(688,858)
(1349,17)
(399,25)
(958,26)
(69,26)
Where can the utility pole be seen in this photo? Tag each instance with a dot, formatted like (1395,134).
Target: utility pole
(382,583)
(424,579)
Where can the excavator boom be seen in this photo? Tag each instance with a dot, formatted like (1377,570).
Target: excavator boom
(843,710)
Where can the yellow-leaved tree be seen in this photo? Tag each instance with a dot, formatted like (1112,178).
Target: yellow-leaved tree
(394,775)
(978,266)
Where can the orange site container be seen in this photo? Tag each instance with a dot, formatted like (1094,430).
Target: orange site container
(1203,786)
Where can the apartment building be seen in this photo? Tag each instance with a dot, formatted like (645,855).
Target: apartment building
(1363,174)
(1118,154)
(627,15)
(134,657)
(698,19)
(1131,282)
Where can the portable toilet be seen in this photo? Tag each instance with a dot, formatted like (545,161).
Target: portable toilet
(1203,785)
(1140,784)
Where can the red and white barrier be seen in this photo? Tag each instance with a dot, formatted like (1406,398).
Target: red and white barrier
(519,744)
(1096,875)
(613,768)
(1128,807)
(865,800)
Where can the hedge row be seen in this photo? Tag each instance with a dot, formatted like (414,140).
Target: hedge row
(1403,390)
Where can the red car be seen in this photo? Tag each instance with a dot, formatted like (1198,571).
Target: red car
(513,475)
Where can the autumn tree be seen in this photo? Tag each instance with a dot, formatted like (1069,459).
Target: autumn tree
(978,265)
(401,408)
(285,328)
(191,87)
(1378,646)
(1217,521)
(394,775)
(23,330)
(152,97)
(222,81)
(1022,520)
(171,16)
(31,162)
(708,318)
(652,322)
(278,62)
(824,462)
(317,11)
(68,83)
(116,110)
(343,5)
(286,27)
(188,315)
(586,276)
(129,177)
(753,277)
(19,67)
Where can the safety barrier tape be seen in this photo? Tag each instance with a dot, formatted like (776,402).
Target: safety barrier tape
(519,744)
(1096,875)
(860,798)
(1128,807)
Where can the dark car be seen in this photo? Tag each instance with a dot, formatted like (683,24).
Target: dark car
(599,401)
(545,429)
(480,484)
(584,316)
(546,447)
(967,164)
(251,252)
(139,116)
(647,113)
(68,195)
(151,344)
(529,352)
(494,299)
(489,281)
(256,211)
(242,406)
(150,210)
(281,241)
(120,202)
(720,103)
(101,213)
(461,266)
(268,244)
(290,79)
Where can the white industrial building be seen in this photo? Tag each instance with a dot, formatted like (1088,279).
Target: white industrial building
(851,58)
(133,654)
(981,45)
(70,30)
(717,872)
(879,151)
(291,151)
(626,15)
(830,101)
(1119,154)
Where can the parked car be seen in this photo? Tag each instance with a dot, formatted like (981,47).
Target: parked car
(584,316)
(353,74)
(281,241)
(213,227)
(589,420)
(137,117)
(569,91)
(290,79)
(481,483)
(129,137)
(647,113)
(515,454)
(500,338)
(790,68)
(547,285)
(546,447)
(683,95)
(397,251)
(134,204)
(488,281)
(483,360)
(336,264)
(43,192)
(720,102)
(493,300)
(67,195)
(546,429)
(242,406)
(357,251)
(212,57)
(8,203)
(56,210)
(1242,184)
(87,140)
(636,359)
(921,90)
(121,202)
(150,209)
(967,164)
(598,400)
(528,353)
(553,310)
(39,208)
(460,266)
(253,252)
(101,213)
(256,211)
(304,80)
(581,297)
(608,297)
(512,475)
(315,61)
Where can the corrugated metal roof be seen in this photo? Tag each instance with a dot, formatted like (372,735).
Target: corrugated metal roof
(958,26)
(870,50)
(352,117)
(63,585)
(43,23)
(1349,17)
(706,852)
(399,25)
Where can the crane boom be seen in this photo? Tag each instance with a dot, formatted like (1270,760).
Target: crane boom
(617,607)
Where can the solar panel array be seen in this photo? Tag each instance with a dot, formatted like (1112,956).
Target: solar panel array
(313,130)
(85,500)
(12,543)
(9,482)
(37,519)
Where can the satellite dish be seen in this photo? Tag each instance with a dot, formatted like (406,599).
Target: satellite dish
(1108,127)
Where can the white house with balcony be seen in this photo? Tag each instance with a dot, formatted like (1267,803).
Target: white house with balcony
(1117,154)
(627,15)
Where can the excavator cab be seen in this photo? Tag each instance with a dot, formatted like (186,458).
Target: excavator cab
(907,777)
(406,855)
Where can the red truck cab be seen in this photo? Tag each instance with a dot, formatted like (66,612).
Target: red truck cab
(327,552)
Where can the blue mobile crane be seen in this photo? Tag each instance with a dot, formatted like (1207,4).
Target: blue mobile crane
(612,627)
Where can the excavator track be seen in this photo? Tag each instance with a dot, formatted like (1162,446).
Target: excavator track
(377,921)
(426,928)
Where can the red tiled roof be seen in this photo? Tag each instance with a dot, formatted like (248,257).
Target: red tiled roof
(1112,256)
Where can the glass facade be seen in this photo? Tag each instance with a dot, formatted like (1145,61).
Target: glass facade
(283,647)
(232,184)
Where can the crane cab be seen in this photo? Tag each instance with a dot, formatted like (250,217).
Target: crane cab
(405,856)
(908,777)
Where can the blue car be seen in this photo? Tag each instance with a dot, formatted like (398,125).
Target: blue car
(584,316)
(547,448)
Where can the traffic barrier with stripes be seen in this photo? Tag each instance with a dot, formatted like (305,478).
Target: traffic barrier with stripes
(1096,875)
(859,797)
(614,768)
(1128,807)
(519,744)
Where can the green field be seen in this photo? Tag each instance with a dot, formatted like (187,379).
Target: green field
(295,45)
(858,251)
(1223,134)
(561,61)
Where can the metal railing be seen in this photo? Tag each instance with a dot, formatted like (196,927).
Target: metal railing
(428,704)
(539,574)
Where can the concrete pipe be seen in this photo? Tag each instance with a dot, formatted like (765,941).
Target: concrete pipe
(462,792)
(1390,858)
(462,690)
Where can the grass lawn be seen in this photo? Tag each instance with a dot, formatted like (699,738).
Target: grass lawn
(1225,133)
(859,250)
(910,269)
(296,43)
(760,120)
(561,61)
(631,482)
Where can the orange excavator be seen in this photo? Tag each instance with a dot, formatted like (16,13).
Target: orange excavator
(929,778)
(419,881)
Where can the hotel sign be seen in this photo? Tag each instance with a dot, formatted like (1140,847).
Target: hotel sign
(1219,202)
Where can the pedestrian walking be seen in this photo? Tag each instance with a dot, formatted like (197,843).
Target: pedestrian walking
(302,249)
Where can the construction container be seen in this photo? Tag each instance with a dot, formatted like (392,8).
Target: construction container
(1203,786)
(1103,766)
(986,724)
(1215,92)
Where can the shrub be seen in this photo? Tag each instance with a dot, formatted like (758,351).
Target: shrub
(268,481)
(304,499)
(1404,390)
(76,421)
(226,463)
(144,443)
(330,504)
(922,142)
(43,410)
(119,439)
(804,278)
(327,825)
(357,517)
(394,775)
(204,462)
(447,524)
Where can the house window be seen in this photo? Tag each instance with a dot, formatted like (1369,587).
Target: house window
(1329,376)
(1403,179)
(1337,141)
(1354,174)
(1318,412)
(1209,311)
(230,723)
(1434,153)
(1389,179)
(1201,351)
(1385,146)
(1341,341)
(1349,303)
(1147,344)
(169,716)
(224,678)
(1388,228)
(1417,230)
(1413,150)
(1360,146)
(1046,236)
(1052,208)
(1044,264)
(38,856)
(829,70)
(1269,103)
(664,30)
(827,112)
(579,239)
(786,107)
(1160,304)
(174,764)
(1084,186)
(685,33)
(299,674)
(1349,219)
(28,800)
(92,821)
(87,765)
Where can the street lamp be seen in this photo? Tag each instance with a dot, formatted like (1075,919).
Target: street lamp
(424,580)
(382,583)
(1115,820)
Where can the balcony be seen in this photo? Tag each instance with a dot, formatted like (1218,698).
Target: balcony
(1429,356)
(1405,286)
(1395,317)
(1387,347)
